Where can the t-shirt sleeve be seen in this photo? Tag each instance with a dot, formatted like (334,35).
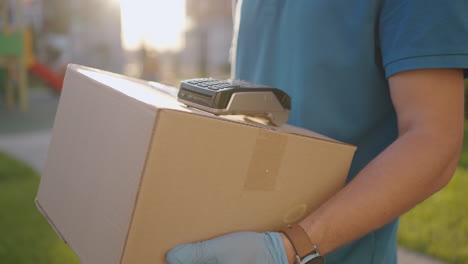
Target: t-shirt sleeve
(423,34)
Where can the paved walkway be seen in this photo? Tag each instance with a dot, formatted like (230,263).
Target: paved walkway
(26,136)
(32,147)
(406,256)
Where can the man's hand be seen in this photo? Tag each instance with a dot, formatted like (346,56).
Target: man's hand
(235,248)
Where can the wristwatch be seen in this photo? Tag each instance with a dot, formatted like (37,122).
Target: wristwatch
(306,251)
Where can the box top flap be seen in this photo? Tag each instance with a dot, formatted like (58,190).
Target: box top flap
(160,96)
(134,88)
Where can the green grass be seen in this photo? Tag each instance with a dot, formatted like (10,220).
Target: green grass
(25,236)
(439,226)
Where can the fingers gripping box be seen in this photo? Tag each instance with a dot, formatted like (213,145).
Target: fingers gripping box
(132,173)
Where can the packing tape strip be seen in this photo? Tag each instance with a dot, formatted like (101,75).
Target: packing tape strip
(265,164)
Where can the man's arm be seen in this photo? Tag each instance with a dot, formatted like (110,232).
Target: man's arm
(430,110)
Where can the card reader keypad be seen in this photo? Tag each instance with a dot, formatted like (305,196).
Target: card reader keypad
(212,84)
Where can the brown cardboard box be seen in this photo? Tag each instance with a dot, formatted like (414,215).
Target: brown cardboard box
(132,173)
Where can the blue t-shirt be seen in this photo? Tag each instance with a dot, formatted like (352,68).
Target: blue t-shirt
(334,57)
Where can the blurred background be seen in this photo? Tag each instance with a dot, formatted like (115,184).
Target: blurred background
(157,40)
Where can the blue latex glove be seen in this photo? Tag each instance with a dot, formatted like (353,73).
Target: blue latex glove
(235,248)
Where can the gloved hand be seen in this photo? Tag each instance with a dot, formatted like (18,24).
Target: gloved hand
(235,248)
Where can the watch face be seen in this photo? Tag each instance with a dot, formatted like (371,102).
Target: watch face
(316,260)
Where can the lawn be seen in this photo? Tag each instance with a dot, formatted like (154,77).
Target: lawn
(439,225)
(25,236)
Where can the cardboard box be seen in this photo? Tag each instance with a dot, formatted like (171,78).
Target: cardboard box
(132,173)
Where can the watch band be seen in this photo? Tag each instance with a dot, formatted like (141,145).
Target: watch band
(299,240)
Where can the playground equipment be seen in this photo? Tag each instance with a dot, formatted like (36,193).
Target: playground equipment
(17,56)
(12,53)
(37,68)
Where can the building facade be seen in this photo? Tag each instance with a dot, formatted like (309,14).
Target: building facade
(207,39)
(86,32)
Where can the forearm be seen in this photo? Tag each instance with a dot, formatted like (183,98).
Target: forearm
(415,166)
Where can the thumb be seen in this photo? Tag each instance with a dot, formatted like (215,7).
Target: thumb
(191,253)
